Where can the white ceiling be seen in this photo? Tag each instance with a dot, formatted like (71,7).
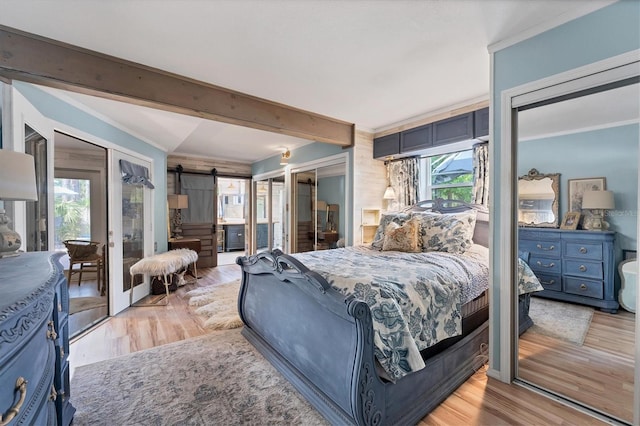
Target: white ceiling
(370,62)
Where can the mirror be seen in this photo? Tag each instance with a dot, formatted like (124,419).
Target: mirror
(576,349)
(538,199)
(37,211)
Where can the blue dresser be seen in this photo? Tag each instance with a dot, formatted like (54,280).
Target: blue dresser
(573,266)
(34,341)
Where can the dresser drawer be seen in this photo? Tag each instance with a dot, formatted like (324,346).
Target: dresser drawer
(34,361)
(588,288)
(541,247)
(550,281)
(545,265)
(583,269)
(583,251)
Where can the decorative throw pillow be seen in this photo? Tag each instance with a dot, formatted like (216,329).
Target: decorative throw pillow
(402,237)
(449,232)
(398,218)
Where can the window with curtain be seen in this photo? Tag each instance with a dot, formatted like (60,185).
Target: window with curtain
(448,176)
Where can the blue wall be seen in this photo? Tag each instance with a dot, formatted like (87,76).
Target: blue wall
(63,112)
(583,155)
(605,33)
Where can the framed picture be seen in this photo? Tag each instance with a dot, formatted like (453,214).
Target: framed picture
(628,254)
(570,220)
(577,187)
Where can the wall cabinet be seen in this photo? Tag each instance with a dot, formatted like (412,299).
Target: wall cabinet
(370,219)
(573,266)
(386,145)
(416,139)
(481,123)
(34,340)
(454,129)
(471,125)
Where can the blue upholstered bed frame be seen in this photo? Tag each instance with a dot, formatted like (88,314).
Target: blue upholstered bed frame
(322,342)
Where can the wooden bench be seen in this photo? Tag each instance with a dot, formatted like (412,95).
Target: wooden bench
(165,265)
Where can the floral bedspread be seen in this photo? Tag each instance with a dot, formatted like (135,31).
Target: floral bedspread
(415,298)
(527,280)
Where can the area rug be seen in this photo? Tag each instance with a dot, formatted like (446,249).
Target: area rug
(219,378)
(564,321)
(218,303)
(79,304)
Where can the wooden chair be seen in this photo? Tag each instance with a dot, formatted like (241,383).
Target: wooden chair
(90,256)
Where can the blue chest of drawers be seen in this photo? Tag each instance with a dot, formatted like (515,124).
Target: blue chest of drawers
(34,341)
(574,266)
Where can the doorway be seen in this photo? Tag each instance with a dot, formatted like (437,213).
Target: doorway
(80,215)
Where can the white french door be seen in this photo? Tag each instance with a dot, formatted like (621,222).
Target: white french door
(130,233)
(25,118)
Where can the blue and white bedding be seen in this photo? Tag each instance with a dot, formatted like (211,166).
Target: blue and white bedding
(415,298)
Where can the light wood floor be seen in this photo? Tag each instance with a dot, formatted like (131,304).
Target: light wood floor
(479,401)
(599,373)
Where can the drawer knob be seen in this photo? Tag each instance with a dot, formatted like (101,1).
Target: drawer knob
(21,386)
(582,268)
(550,265)
(551,247)
(583,286)
(51,333)
(583,250)
(53,395)
(550,282)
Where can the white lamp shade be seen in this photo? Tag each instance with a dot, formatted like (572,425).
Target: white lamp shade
(600,200)
(389,194)
(321,205)
(17,176)
(178,201)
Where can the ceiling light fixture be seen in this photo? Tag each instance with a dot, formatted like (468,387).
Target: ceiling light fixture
(284,160)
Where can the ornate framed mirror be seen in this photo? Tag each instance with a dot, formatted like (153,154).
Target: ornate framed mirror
(538,199)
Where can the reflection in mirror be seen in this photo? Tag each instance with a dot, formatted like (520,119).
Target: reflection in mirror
(270,208)
(576,348)
(37,217)
(538,199)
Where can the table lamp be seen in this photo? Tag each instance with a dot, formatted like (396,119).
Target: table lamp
(177,202)
(17,183)
(598,201)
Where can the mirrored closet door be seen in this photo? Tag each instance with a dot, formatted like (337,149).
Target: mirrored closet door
(581,344)
(319,205)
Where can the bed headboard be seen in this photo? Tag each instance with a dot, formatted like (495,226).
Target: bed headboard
(439,205)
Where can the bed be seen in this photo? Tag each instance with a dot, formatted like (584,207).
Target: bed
(359,332)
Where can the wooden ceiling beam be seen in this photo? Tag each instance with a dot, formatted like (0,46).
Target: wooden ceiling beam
(35,59)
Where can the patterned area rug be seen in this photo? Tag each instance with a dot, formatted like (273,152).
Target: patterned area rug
(79,304)
(564,321)
(219,303)
(219,378)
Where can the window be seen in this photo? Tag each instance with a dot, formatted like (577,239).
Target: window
(72,206)
(448,176)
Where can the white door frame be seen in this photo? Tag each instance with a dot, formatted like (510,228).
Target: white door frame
(24,113)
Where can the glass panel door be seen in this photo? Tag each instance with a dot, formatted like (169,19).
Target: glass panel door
(278,212)
(37,211)
(129,234)
(270,205)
